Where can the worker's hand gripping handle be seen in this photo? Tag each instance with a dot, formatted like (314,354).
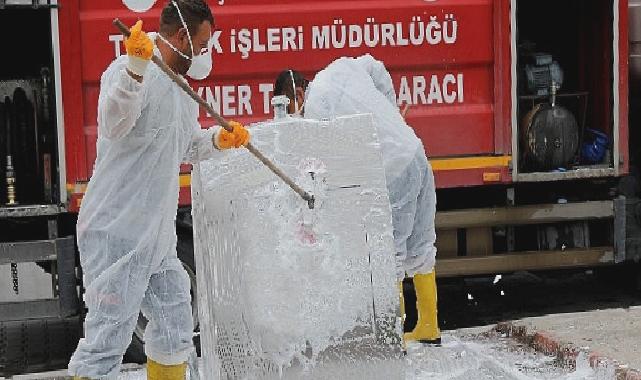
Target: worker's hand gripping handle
(221,121)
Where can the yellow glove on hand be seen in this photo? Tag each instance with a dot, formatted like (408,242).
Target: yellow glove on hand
(239,136)
(139,49)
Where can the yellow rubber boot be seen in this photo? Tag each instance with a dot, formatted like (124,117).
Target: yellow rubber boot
(426,330)
(157,371)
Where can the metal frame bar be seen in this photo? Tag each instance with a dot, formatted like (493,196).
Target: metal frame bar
(31,251)
(470,266)
(615,91)
(524,215)
(513,80)
(32,4)
(60,120)
(61,251)
(31,211)
(620,228)
(13,311)
(568,175)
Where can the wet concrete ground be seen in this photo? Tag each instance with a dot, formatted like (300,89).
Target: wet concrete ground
(614,333)
(469,355)
(464,355)
(488,300)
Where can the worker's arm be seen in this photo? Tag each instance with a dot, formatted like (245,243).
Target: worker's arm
(120,103)
(201,147)
(207,143)
(121,90)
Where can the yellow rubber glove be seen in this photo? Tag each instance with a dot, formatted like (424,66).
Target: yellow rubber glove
(139,49)
(238,137)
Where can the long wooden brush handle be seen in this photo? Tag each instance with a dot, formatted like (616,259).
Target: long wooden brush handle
(182,83)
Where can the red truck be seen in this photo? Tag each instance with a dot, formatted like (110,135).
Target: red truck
(523,107)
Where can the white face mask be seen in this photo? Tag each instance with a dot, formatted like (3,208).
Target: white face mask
(200,64)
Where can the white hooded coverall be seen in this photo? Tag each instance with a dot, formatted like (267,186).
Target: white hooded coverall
(126,226)
(363,85)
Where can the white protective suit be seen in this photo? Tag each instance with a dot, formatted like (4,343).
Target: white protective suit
(363,85)
(126,226)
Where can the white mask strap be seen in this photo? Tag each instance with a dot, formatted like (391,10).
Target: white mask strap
(291,74)
(193,53)
(173,47)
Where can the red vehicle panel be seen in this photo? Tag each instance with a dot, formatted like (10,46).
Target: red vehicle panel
(449,59)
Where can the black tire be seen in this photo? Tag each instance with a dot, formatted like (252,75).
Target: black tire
(136,351)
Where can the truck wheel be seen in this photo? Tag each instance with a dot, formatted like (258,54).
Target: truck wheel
(136,351)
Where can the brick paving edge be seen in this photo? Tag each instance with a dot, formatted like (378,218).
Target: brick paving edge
(564,352)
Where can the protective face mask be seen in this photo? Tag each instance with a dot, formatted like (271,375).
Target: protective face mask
(200,64)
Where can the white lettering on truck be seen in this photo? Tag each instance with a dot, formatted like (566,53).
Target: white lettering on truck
(418,90)
(266,89)
(246,41)
(117,40)
(337,35)
(228,100)
(236,100)
(446,90)
(372,34)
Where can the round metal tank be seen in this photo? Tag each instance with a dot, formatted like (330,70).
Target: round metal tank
(634,19)
(550,137)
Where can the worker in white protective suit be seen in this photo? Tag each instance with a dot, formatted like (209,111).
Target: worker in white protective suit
(363,85)
(147,126)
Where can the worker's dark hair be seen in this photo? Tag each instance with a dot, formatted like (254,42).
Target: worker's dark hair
(283,85)
(195,12)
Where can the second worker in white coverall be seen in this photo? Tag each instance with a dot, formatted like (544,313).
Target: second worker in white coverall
(147,126)
(363,85)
